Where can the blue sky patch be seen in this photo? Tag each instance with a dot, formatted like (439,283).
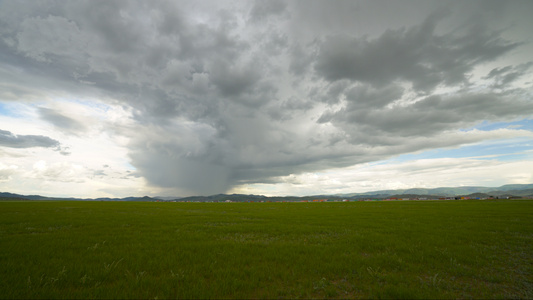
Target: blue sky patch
(503,150)
(4,109)
(11,109)
(526,124)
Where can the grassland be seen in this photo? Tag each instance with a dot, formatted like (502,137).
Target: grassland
(425,249)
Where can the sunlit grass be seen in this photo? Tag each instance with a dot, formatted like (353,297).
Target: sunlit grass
(426,249)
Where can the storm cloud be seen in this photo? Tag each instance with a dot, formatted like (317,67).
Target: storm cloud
(224,93)
(417,55)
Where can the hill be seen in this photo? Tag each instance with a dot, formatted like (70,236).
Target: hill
(4,195)
(508,190)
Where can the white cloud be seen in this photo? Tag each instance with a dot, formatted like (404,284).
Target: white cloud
(63,171)
(6,171)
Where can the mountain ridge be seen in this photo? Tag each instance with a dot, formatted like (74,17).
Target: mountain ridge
(521,190)
(446,191)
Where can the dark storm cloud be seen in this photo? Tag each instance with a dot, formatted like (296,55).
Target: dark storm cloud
(225,92)
(504,76)
(302,57)
(233,80)
(264,9)
(284,110)
(417,55)
(181,157)
(8,139)
(427,117)
(276,43)
(364,97)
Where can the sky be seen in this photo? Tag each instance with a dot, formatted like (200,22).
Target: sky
(180,98)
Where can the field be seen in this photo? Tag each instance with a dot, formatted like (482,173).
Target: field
(403,249)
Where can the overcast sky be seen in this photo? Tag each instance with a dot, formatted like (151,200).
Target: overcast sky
(178,98)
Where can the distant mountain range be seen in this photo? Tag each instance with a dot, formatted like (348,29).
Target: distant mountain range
(38,197)
(508,190)
(517,189)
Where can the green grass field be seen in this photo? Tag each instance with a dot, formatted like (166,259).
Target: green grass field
(411,249)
